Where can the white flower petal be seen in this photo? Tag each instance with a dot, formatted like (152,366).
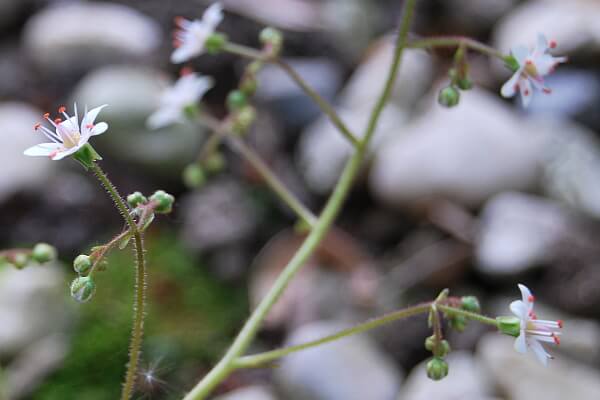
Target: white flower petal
(62,154)
(99,129)
(90,116)
(213,15)
(545,63)
(526,91)
(539,352)
(510,87)
(181,55)
(525,293)
(164,117)
(43,149)
(520,309)
(541,45)
(520,53)
(520,343)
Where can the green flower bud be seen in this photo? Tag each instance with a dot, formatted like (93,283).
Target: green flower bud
(509,325)
(82,264)
(82,289)
(430,343)
(449,96)
(273,38)
(244,119)
(437,369)
(214,163)
(43,253)
(20,260)
(458,323)
(470,303)
(249,85)
(136,198)
(464,83)
(215,43)
(442,350)
(254,67)
(163,202)
(194,176)
(236,100)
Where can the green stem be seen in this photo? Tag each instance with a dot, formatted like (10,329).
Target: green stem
(467,314)
(320,101)
(312,241)
(451,41)
(258,360)
(271,179)
(140,284)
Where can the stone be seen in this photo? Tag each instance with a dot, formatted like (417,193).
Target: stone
(20,172)
(519,231)
(466,155)
(522,377)
(132,94)
(249,393)
(78,36)
(477,15)
(465,380)
(351,369)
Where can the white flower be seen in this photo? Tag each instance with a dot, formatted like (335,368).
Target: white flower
(533,66)
(534,331)
(68,136)
(185,92)
(191,36)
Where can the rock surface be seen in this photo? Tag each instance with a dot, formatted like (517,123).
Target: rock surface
(249,393)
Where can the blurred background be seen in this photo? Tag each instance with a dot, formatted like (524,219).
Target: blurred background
(476,198)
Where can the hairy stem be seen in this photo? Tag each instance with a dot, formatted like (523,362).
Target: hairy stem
(467,314)
(139,306)
(312,241)
(258,360)
(452,41)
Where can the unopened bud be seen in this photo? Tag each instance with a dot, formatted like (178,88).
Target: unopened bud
(163,202)
(249,85)
(20,260)
(82,289)
(470,303)
(82,264)
(244,119)
(236,100)
(215,43)
(214,163)
(194,176)
(464,83)
(272,38)
(43,253)
(509,325)
(441,350)
(437,369)
(135,199)
(458,323)
(449,96)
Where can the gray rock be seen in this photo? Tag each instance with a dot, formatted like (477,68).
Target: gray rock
(78,35)
(132,94)
(474,15)
(249,393)
(349,369)
(521,377)
(18,171)
(466,154)
(465,380)
(220,214)
(519,231)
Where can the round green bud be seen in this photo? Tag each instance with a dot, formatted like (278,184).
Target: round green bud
(441,351)
(449,96)
(163,202)
(194,176)
(82,289)
(254,67)
(20,260)
(215,43)
(249,85)
(271,37)
(244,119)
(236,100)
(437,369)
(82,264)
(214,163)
(135,199)
(43,253)
(464,83)
(430,343)
(470,303)
(509,325)
(458,323)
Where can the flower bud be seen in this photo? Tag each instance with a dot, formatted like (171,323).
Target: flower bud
(236,100)
(82,289)
(249,85)
(163,202)
(194,176)
(458,323)
(244,119)
(437,368)
(449,96)
(20,260)
(430,343)
(214,163)
(470,303)
(509,325)
(215,43)
(272,38)
(135,199)
(441,351)
(82,264)
(464,83)
(43,253)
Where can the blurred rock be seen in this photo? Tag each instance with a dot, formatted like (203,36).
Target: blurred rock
(32,306)
(132,94)
(522,377)
(465,380)
(19,171)
(349,369)
(74,36)
(249,393)
(9,10)
(477,15)
(520,231)
(218,215)
(297,15)
(466,155)
(287,100)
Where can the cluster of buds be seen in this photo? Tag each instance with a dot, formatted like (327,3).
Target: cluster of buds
(41,253)
(196,174)
(83,287)
(459,80)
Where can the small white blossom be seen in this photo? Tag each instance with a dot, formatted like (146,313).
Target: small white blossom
(191,36)
(68,135)
(534,331)
(185,92)
(533,66)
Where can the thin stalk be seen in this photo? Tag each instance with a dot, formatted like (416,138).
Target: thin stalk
(467,314)
(312,241)
(288,69)
(451,41)
(139,306)
(258,360)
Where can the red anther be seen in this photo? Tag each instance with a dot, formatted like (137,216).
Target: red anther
(89,126)
(179,20)
(62,109)
(57,121)
(526,92)
(556,339)
(528,62)
(176,43)
(37,126)
(531,298)
(46,115)
(547,90)
(186,71)
(560,323)
(553,44)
